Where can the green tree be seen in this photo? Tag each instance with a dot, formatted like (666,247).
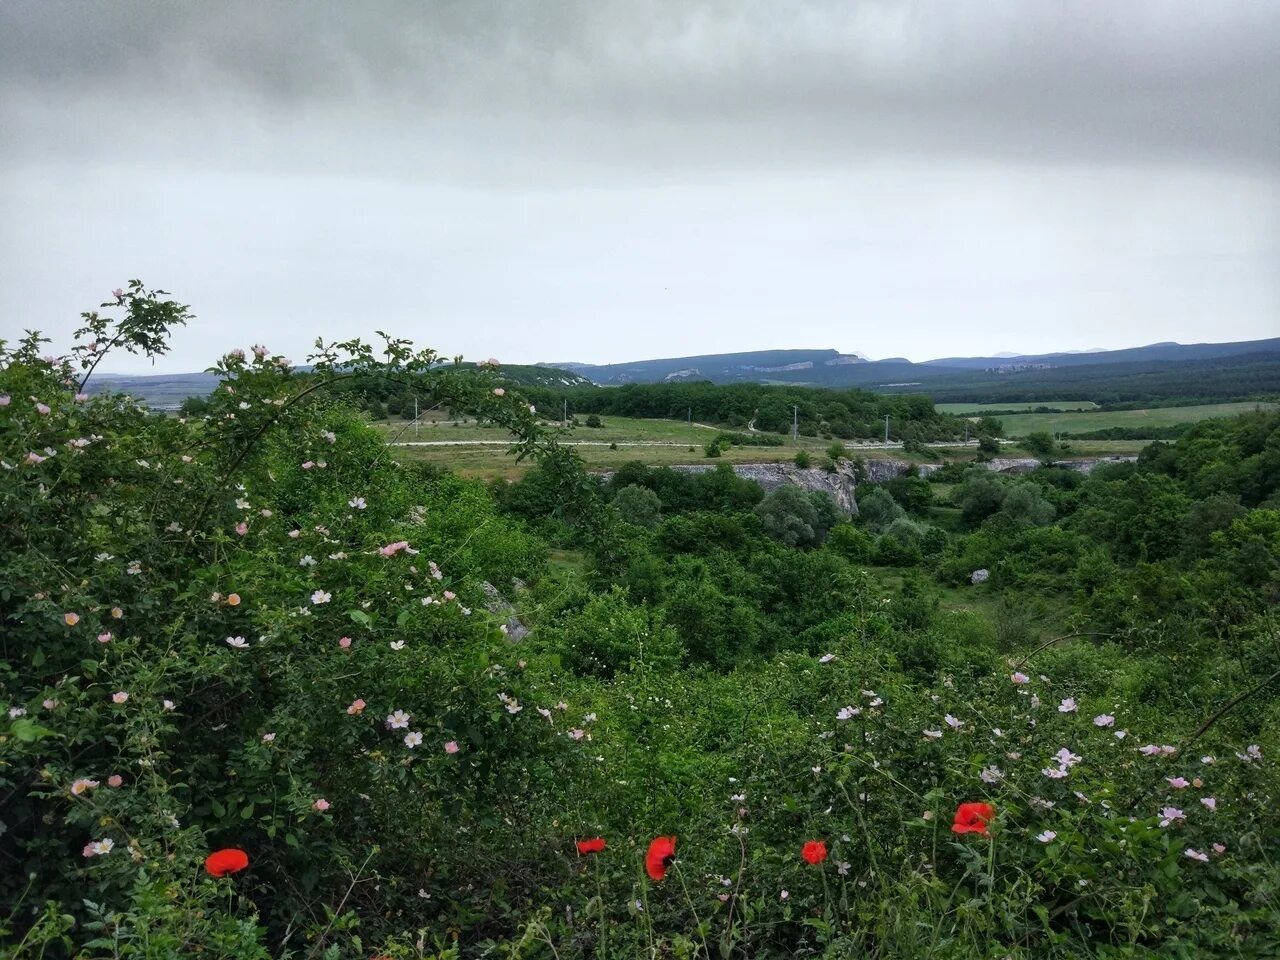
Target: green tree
(979,496)
(194,407)
(638,505)
(791,516)
(1025,505)
(878,509)
(1039,443)
(851,542)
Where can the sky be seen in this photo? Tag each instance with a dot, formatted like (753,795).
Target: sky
(611,180)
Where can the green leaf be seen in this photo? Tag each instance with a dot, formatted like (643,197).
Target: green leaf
(218,809)
(28,731)
(359,616)
(247,812)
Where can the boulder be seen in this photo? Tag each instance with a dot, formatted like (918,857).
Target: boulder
(501,608)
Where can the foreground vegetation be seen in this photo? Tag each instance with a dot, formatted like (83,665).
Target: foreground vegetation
(409,715)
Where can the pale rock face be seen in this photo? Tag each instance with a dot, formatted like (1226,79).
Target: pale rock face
(980,576)
(842,483)
(499,606)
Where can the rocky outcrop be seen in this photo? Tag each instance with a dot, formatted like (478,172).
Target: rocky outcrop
(1086,464)
(1011,464)
(1027,464)
(841,484)
(501,608)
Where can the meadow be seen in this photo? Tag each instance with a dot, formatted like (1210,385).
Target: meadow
(481,450)
(1021,424)
(974,408)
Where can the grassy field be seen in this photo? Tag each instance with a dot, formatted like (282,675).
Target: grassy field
(965,408)
(481,451)
(493,461)
(614,429)
(1021,424)
(658,442)
(1073,448)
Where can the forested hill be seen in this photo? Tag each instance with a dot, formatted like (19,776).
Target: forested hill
(1190,371)
(841,413)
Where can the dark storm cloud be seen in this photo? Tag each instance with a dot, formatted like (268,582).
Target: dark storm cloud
(1106,79)
(603,180)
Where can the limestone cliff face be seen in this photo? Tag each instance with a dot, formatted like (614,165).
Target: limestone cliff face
(1026,464)
(841,484)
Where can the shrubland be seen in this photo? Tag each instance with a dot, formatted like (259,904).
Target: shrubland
(253,631)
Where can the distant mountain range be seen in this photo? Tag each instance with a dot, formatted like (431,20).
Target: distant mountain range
(169,390)
(1236,370)
(830,368)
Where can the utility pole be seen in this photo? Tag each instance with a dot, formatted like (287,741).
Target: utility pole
(886,428)
(689,415)
(966,431)
(415,416)
(565,419)
(795,424)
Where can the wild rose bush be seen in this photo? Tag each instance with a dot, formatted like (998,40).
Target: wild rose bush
(254,631)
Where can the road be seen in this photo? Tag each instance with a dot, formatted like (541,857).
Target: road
(851,448)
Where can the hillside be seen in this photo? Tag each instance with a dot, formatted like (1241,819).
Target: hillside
(1220,371)
(167,391)
(757,365)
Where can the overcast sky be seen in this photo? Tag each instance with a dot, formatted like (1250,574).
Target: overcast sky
(604,181)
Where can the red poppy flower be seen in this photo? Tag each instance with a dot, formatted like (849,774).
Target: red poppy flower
(222,862)
(973,818)
(814,851)
(661,852)
(594,845)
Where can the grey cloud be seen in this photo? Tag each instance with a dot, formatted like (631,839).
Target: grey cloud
(605,179)
(1035,77)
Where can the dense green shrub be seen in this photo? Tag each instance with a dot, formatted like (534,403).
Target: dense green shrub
(795,517)
(638,505)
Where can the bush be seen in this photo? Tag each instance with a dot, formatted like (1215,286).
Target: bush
(610,635)
(896,552)
(852,543)
(803,460)
(1039,443)
(638,505)
(877,510)
(797,518)
(593,421)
